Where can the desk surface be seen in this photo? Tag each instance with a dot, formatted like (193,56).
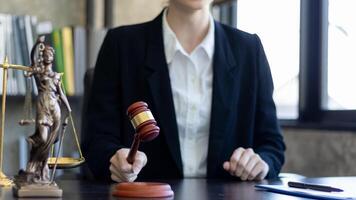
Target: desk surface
(191,189)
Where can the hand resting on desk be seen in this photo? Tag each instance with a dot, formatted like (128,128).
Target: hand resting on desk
(247,165)
(121,170)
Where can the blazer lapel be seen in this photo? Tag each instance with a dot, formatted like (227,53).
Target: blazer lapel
(224,69)
(160,86)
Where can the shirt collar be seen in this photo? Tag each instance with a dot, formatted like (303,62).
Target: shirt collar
(172,45)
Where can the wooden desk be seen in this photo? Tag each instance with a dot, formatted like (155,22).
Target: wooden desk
(197,189)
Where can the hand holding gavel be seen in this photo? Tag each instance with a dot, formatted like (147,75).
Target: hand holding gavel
(126,164)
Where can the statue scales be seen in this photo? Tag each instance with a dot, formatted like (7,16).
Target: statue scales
(50,124)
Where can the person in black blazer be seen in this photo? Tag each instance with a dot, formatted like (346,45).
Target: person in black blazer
(244,139)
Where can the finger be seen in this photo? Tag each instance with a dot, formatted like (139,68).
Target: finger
(121,165)
(142,156)
(115,162)
(139,163)
(256,171)
(122,153)
(115,178)
(226,165)
(235,157)
(132,179)
(261,176)
(241,164)
(137,166)
(128,176)
(119,162)
(113,170)
(264,171)
(121,176)
(125,168)
(249,166)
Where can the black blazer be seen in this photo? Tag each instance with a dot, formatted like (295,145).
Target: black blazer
(131,67)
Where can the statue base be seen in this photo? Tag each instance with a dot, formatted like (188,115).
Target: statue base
(38,191)
(27,185)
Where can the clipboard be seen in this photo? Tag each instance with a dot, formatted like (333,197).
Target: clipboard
(284,189)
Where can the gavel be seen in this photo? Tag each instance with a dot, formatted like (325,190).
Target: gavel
(146,130)
(145,126)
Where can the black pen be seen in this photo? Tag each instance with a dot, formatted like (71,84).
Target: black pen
(313,187)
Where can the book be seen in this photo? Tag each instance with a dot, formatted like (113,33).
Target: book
(80,65)
(2,47)
(30,39)
(76,50)
(20,23)
(8,53)
(68,60)
(57,45)
(18,57)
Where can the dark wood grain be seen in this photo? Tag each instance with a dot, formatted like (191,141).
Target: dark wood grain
(198,189)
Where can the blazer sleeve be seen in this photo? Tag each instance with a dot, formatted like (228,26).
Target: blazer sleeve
(103,112)
(268,141)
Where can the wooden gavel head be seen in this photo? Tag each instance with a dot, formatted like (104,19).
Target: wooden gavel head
(143,122)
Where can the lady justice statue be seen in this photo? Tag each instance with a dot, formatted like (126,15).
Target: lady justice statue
(36,177)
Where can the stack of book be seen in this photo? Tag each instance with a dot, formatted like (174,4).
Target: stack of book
(70,58)
(16,41)
(18,35)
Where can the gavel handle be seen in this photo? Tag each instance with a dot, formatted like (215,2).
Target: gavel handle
(134,147)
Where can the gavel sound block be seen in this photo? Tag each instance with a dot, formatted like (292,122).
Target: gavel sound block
(146,130)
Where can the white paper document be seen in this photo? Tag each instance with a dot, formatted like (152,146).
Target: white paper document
(284,189)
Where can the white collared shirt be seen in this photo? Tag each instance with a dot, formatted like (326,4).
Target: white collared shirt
(191,78)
